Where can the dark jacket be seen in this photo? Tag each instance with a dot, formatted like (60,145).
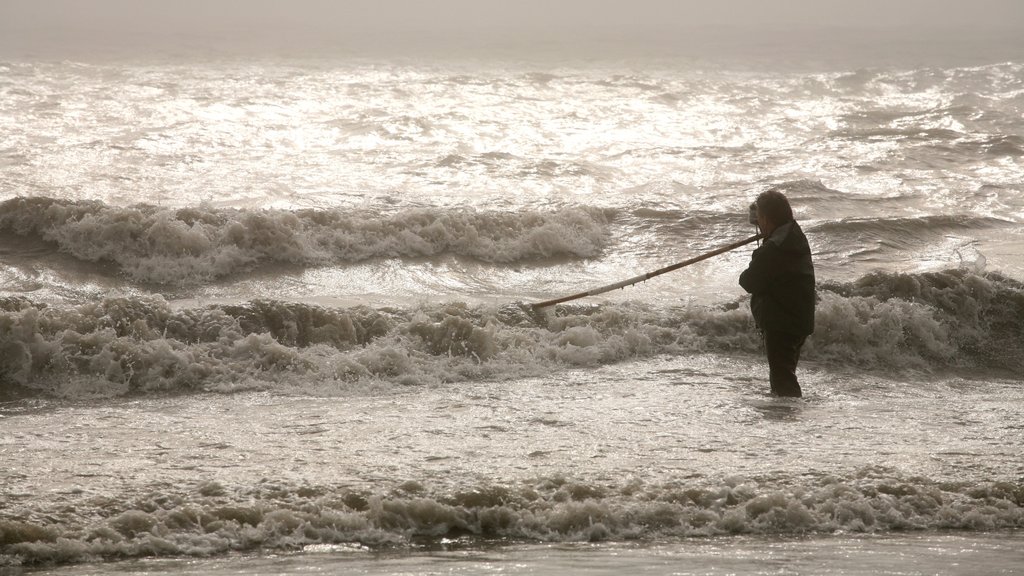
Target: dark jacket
(781,280)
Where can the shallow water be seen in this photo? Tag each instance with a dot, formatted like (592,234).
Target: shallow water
(953,554)
(671,447)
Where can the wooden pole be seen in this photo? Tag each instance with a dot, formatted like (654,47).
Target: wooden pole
(647,276)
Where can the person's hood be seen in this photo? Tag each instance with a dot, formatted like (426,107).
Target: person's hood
(790,238)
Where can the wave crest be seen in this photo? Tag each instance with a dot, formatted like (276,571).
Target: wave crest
(937,321)
(167,246)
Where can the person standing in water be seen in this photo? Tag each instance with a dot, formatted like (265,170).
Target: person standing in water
(780,279)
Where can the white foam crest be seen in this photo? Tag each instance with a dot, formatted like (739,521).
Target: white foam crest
(210,518)
(130,345)
(948,318)
(139,345)
(867,332)
(166,246)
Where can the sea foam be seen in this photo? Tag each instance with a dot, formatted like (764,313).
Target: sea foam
(947,320)
(188,245)
(211,518)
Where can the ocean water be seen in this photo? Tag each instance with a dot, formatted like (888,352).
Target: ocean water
(272,316)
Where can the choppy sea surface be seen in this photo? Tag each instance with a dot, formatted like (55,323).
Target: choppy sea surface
(273,316)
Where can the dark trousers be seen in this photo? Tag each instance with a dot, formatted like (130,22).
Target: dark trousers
(783,351)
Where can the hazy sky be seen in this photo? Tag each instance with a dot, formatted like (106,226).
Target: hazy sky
(516,13)
(46,26)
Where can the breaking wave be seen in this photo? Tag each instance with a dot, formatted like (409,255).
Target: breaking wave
(947,320)
(209,518)
(181,246)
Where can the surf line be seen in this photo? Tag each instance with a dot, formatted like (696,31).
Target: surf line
(647,276)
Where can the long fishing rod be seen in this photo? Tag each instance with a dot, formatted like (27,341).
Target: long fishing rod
(647,276)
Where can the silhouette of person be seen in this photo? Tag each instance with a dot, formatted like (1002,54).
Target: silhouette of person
(780,279)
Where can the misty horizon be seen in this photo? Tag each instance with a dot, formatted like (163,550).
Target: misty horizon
(990,30)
